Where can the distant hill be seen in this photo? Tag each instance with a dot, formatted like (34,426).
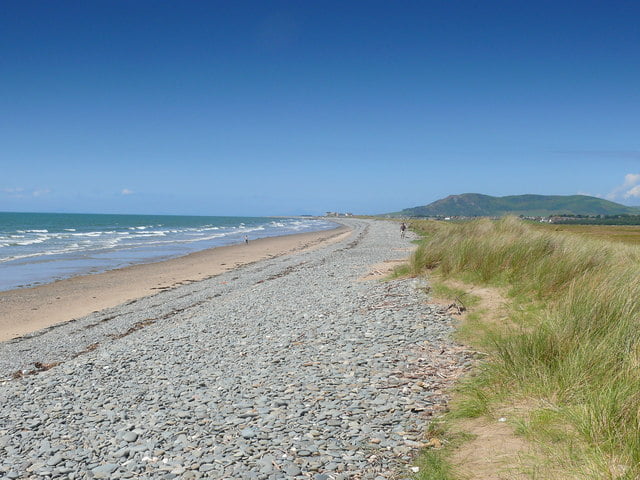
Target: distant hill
(478,205)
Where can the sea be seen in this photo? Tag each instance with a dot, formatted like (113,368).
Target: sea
(37,248)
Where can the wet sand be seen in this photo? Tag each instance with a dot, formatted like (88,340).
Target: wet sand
(27,310)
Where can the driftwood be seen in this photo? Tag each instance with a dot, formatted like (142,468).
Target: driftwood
(39,367)
(456,308)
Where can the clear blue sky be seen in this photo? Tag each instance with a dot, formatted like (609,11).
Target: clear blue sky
(298,107)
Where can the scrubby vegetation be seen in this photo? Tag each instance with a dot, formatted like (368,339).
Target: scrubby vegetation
(574,359)
(597,220)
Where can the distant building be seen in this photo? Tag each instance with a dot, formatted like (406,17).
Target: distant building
(337,214)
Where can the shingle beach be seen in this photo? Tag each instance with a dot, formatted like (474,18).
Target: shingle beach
(288,368)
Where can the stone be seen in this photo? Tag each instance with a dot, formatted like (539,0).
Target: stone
(292,470)
(104,471)
(55,460)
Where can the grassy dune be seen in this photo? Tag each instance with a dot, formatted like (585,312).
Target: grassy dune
(574,359)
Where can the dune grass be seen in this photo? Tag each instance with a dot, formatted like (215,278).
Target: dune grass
(580,354)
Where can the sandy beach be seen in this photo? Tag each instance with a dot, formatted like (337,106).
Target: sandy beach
(24,311)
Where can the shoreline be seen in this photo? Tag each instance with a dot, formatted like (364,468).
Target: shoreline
(27,310)
(44,251)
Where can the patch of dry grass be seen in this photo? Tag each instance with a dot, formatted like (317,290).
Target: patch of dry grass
(617,233)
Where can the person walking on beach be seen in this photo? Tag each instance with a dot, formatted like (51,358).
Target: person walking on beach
(403,229)
(246,239)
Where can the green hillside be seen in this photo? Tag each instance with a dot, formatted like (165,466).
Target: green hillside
(478,205)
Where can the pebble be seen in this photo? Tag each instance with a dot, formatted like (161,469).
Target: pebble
(130,437)
(104,471)
(288,367)
(55,460)
(292,470)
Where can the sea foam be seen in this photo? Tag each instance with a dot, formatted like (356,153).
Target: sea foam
(43,247)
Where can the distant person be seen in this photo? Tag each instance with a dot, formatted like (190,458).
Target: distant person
(403,229)
(246,239)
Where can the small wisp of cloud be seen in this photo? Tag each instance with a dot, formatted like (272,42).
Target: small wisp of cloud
(630,188)
(126,191)
(15,192)
(633,192)
(19,192)
(40,192)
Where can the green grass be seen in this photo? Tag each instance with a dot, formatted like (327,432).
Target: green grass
(401,271)
(576,344)
(434,465)
(473,400)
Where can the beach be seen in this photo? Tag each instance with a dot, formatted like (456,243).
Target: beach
(27,310)
(297,366)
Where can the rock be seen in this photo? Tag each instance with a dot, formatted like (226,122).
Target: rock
(123,452)
(55,460)
(292,470)
(413,444)
(104,471)
(248,433)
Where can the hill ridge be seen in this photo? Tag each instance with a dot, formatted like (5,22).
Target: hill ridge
(481,205)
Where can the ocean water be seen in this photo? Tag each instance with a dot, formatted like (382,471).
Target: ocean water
(38,248)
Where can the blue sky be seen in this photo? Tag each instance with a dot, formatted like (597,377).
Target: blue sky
(296,107)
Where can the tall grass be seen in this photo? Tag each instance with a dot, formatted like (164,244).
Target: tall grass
(583,355)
